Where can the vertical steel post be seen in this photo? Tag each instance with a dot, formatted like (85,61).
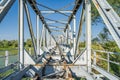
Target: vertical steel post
(6,58)
(41,38)
(50,39)
(43,35)
(74,34)
(66,36)
(69,36)
(88,33)
(21,34)
(38,36)
(94,60)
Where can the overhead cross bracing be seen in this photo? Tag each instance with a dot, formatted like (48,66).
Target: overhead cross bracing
(56,53)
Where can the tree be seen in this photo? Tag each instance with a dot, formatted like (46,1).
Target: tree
(103,36)
(28,43)
(1,44)
(5,43)
(95,40)
(15,43)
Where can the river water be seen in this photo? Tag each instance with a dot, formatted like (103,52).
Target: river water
(11,59)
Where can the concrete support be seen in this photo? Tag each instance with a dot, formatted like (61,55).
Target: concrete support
(38,36)
(43,35)
(21,34)
(6,58)
(88,33)
(74,34)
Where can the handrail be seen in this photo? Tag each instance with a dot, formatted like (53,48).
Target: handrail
(8,67)
(107,59)
(116,53)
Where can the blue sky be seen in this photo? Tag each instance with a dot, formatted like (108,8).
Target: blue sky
(9,25)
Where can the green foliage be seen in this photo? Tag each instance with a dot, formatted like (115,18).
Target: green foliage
(112,46)
(95,14)
(82,44)
(96,45)
(14,44)
(28,43)
(115,69)
(1,44)
(8,44)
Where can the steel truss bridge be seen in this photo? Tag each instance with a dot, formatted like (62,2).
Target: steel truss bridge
(56,56)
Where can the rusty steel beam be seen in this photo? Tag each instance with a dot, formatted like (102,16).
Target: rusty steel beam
(37,11)
(75,9)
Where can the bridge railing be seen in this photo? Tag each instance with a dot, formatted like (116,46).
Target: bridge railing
(7,70)
(109,61)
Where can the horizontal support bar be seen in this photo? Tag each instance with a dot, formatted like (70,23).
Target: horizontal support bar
(56,28)
(47,12)
(52,22)
(109,61)
(107,52)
